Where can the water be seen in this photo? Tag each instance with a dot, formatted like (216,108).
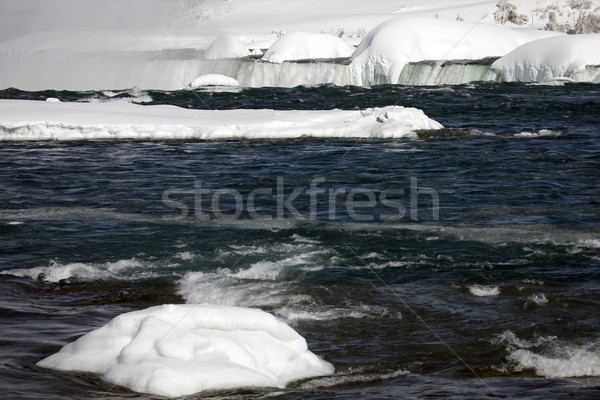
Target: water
(466,266)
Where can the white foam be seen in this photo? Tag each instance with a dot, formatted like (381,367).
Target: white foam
(540,133)
(562,361)
(25,120)
(178,350)
(551,357)
(261,284)
(484,291)
(56,272)
(352,376)
(538,298)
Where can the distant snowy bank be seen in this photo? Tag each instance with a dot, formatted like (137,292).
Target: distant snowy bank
(178,350)
(24,120)
(306,43)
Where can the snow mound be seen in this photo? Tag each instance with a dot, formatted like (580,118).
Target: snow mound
(178,350)
(27,120)
(307,46)
(553,58)
(213,80)
(387,48)
(226,47)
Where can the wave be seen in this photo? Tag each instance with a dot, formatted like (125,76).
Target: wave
(130,269)
(550,357)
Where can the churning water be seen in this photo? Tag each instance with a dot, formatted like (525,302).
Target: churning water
(464,264)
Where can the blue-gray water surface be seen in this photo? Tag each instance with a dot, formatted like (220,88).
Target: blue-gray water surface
(464,264)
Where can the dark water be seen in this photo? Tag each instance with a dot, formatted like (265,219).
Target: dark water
(465,264)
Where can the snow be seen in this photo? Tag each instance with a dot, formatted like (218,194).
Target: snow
(168,44)
(553,58)
(26,120)
(226,47)
(389,47)
(307,46)
(178,350)
(213,80)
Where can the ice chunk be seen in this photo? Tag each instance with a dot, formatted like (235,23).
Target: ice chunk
(213,80)
(177,350)
(307,46)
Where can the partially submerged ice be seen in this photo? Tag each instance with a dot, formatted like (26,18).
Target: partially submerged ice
(177,350)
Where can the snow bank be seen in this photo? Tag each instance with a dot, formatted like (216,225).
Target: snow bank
(213,80)
(177,350)
(553,58)
(25,120)
(387,48)
(226,47)
(307,46)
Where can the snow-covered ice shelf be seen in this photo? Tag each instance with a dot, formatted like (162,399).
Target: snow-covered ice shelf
(26,120)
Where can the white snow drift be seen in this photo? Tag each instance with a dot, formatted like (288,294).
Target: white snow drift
(386,49)
(226,47)
(26,120)
(307,46)
(568,56)
(177,350)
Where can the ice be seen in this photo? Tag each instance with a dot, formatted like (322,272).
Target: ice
(389,47)
(178,350)
(213,80)
(572,57)
(307,46)
(25,120)
(226,47)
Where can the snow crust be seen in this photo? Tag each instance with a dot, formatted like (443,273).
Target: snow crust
(25,120)
(307,46)
(386,49)
(553,58)
(178,350)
